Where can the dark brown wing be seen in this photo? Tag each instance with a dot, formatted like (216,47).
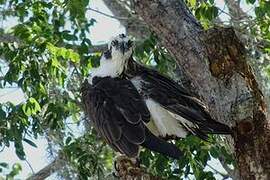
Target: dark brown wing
(177,100)
(118,112)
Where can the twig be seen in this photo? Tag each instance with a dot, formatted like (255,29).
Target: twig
(29,165)
(77,72)
(3,148)
(221,10)
(231,172)
(216,171)
(108,15)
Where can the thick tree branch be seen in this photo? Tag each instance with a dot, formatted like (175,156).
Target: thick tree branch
(251,41)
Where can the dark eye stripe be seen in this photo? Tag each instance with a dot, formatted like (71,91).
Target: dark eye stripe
(107,54)
(114,43)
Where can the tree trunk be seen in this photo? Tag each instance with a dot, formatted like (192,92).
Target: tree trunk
(214,63)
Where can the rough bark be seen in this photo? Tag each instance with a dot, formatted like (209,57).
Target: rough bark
(214,62)
(251,42)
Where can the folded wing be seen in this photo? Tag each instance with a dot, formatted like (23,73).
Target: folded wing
(117,112)
(178,101)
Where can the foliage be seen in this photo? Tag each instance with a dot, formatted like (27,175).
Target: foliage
(15,170)
(89,155)
(205,11)
(48,61)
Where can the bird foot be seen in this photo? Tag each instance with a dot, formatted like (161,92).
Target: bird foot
(127,168)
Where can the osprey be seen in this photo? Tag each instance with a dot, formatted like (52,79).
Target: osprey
(132,105)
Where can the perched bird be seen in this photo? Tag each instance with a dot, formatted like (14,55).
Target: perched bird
(132,105)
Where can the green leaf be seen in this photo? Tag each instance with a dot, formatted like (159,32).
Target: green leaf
(68,140)
(250,1)
(27,110)
(211,12)
(214,152)
(192,3)
(3,164)
(69,37)
(74,57)
(211,2)
(36,106)
(30,142)
(42,89)
(19,150)
(16,168)
(2,114)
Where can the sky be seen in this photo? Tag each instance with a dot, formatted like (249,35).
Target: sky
(103,30)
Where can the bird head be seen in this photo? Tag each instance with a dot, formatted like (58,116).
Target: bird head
(114,60)
(119,48)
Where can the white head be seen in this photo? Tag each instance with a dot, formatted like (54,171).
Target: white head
(114,60)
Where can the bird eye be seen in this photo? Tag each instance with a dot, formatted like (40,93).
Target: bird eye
(114,43)
(122,36)
(107,54)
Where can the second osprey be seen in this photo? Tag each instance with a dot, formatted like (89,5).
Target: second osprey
(131,105)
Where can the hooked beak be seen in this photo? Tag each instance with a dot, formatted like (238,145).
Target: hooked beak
(125,46)
(122,47)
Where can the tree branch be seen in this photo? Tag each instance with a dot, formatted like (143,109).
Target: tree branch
(253,43)
(8,38)
(233,173)
(236,12)
(48,170)
(92,49)
(133,24)
(107,15)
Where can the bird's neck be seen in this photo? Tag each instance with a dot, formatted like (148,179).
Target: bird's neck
(112,68)
(132,68)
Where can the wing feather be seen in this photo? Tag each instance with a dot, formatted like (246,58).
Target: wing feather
(177,100)
(117,112)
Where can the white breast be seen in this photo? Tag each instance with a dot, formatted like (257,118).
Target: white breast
(162,121)
(110,68)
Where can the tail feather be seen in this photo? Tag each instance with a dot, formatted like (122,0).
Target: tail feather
(159,145)
(214,127)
